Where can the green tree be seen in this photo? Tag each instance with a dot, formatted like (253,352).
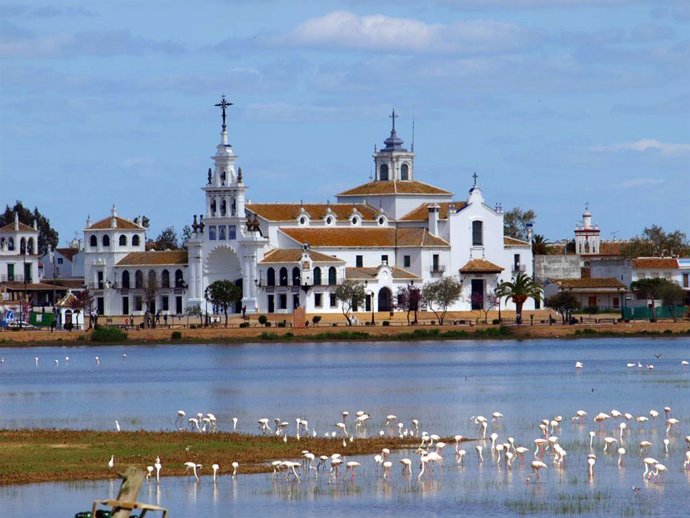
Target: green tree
(519,290)
(648,289)
(441,294)
(541,245)
(565,303)
(47,235)
(671,295)
(167,240)
(223,294)
(515,222)
(655,242)
(350,294)
(186,234)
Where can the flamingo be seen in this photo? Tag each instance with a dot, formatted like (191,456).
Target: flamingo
(609,441)
(423,460)
(591,439)
(387,469)
(215,468)
(158,467)
(669,423)
(181,414)
(235,465)
(351,466)
(479,452)
(591,461)
(460,456)
(666,443)
(645,445)
(263,426)
(536,466)
(686,464)
(149,472)
(407,465)
(578,365)
(117,425)
(234,424)
(658,470)
(648,463)
(193,466)
(111,462)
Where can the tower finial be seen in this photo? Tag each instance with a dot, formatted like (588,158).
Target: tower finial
(475,176)
(223,104)
(393,116)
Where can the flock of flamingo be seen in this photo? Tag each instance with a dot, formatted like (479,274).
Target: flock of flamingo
(614,435)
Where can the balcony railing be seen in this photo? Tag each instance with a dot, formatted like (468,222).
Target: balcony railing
(437,269)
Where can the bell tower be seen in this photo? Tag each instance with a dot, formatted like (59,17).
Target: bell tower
(394,162)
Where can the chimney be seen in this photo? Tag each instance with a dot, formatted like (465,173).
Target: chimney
(433,218)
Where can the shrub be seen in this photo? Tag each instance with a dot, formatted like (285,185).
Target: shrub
(108,334)
(386,323)
(496,321)
(281,324)
(263,319)
(288,335)
(68,326)
(244,324)
(268,323)
(316,319)
(176,335)
(269,336)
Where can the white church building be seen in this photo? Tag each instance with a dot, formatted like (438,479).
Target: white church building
(391,232)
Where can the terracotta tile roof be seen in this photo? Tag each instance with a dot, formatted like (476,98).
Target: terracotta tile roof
(68,301)
(611,247)
(68,253)
(22,228)
(155,258)
(421,213)
(511,241)
(120,223)
(394,187)
(34,286)
(316,211)
(372,272)
(655,263)
(293,255)
(364,237)
(591,282)
(481,266)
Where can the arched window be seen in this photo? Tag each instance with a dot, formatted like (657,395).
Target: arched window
(93,241)
(30,246)
(22,246)
(125,279)
(10,243)
(283,276)
(135,240)
(139,279)
(152,279)
(317,276)
(165,279)
(404,172)
(295,277)
(477,233)
(123,240)
(106,241)
(383,172)
(179,279)
(332,276)
(270,277)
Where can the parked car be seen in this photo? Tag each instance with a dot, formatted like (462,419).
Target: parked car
(17,324)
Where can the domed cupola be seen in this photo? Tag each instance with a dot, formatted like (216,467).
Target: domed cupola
(394,162)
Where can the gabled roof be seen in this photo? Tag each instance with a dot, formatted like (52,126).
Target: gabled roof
(655,263)
(316,211)
(421,213)
(68,301)
(22,228)
(364,237)
(68,252)
(589,283)
(380,188)
(371,272)
(155,258)
(294,255)
(481,266)
(120,223)
(511,241)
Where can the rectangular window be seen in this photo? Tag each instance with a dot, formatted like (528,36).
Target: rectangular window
(100,305)
(406,261)
(10,272)
(178,305)
(221,232)
(59,261)
(384,259)
(295,300)
(516,262)
(686,280)
(317,300)
(138,304)
(616,302)
(232,232)
(271,304)
(212,232)
(164,303)
(592,300)
(435,264)
(477,233)
(282,301)
(125,305)
(100,280)
(359,261)
(332,300)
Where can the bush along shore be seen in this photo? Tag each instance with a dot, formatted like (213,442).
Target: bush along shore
(115,335)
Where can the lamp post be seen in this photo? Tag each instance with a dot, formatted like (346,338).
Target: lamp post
(498,283)
(371,301)
(21,308)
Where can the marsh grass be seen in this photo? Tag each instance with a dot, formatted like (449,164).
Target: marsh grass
(63,455)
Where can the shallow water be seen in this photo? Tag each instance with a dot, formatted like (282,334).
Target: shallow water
(442,384)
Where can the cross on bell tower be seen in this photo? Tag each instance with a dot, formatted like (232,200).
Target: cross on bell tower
(223,105)
(475,176)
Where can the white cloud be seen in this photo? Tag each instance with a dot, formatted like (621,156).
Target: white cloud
(646,145)
(343,29)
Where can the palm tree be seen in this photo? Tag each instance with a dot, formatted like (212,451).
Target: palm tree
(540,245)
(519,290)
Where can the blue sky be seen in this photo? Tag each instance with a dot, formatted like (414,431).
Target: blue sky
(554,103)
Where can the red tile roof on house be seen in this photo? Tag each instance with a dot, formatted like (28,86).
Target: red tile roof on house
(294,255)
(68,253)
(316,211)
(364,237)
(481,266)
(120,223)
(381,188)
(155,258)
(655,263)
(22,228)
(371,272)
(589,283)
(421,213)
(511,241)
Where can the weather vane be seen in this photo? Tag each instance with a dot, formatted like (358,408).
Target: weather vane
(223,104)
